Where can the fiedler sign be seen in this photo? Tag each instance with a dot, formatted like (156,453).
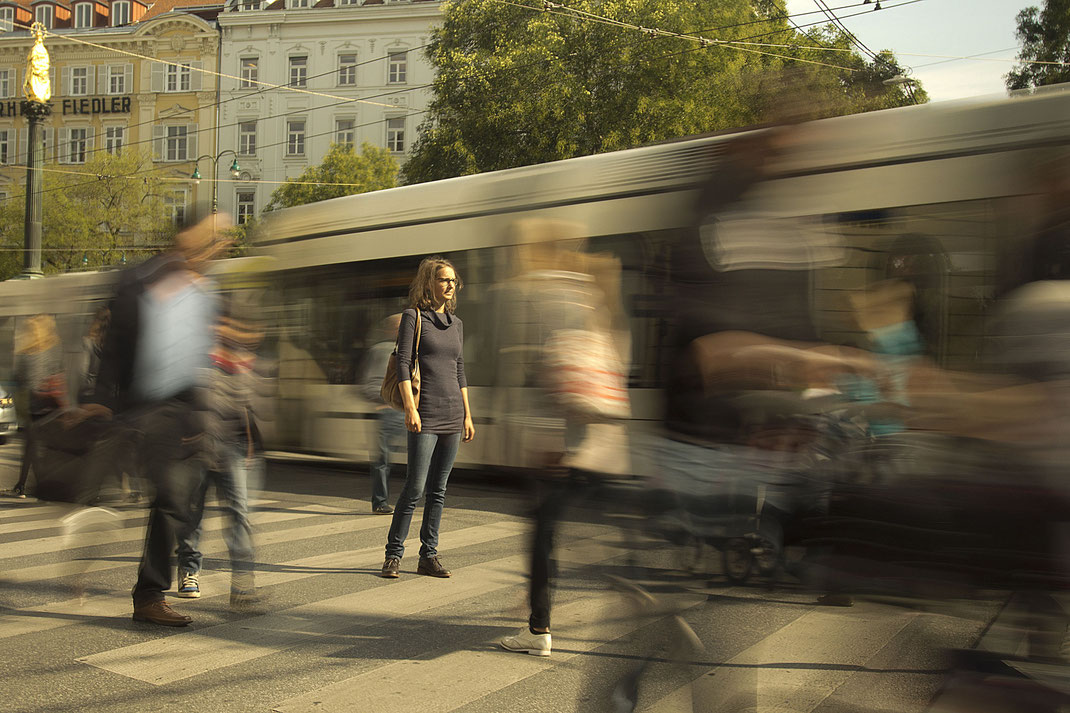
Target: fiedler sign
(85,105)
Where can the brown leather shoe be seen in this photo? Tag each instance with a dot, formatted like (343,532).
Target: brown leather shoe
(432,568)
(160,612)
(390,568)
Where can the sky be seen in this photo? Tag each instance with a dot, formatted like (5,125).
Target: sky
(935,27)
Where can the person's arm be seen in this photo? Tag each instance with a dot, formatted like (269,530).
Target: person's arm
(462,381)
(406,336)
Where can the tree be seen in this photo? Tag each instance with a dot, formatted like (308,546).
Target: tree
(516,86)
(1045,37)
(371,170)
(114,213)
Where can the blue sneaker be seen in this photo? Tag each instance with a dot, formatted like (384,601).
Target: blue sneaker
(189,588)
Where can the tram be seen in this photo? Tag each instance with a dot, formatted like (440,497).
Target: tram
(965,176)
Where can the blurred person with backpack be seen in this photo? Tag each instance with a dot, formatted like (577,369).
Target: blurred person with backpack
(160,337)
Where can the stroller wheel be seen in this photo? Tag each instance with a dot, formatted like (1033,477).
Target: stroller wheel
(738,559)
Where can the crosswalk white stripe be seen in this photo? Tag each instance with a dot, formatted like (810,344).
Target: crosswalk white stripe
(48,516)
(59,543)
(211,545)
(836,643)
(74,611)
(188,654)
(579,627)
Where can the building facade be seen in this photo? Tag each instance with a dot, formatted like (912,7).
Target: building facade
(300,75)
(125,76)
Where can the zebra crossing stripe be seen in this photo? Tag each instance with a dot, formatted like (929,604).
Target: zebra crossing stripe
(196,652)
(803,662)
(48,517)
(579,627)
(54,543)
(75,611)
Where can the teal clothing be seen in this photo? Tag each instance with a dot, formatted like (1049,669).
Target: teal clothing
(898,344)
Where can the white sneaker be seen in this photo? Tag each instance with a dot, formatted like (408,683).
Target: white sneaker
(525,642)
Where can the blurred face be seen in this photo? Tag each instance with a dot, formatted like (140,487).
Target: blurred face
(445,285)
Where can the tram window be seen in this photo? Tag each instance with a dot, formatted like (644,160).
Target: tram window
(950,253)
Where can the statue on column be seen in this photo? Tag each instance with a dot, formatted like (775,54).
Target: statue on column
(37,87)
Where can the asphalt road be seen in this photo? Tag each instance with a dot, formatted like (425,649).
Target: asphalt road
(333,636)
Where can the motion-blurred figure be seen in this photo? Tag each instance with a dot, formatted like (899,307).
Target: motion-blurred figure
(391,423)
(227,388)
(159,339)
(39,375)
(565,334)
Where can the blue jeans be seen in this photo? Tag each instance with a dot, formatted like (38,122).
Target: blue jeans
(232,483)
(431,458)
(391,428)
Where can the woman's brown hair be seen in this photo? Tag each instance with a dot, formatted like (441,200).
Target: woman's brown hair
(422,289)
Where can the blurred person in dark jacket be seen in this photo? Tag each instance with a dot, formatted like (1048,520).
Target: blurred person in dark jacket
(159,339)
(391,423)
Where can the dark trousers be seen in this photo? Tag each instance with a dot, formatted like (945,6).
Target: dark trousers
(28,444)
(168,455)
(552,497)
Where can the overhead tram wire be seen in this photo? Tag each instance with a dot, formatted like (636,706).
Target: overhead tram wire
(270,87)
(251,181)
(552,7)
(144,174)
(169,166)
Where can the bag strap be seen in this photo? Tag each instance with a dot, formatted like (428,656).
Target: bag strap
(416,350)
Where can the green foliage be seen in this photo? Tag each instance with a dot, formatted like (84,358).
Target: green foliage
(516,86)
(1045,37)
(88,222)
(371,170)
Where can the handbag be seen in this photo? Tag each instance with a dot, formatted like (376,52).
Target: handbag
(585,375)
(389,392)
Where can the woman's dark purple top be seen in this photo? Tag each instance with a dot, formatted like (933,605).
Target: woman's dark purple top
(441,368)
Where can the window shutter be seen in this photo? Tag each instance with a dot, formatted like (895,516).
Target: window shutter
(158,69)
(8,74)
(158,134)
(104,86)
(90,142)
(20,156)
(128,79)
(64,146)
(191,142)
(89,82)
(50,144)
(195,76)
(66,83)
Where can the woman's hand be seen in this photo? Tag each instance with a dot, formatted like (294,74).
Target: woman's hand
(412,420)
(469,429)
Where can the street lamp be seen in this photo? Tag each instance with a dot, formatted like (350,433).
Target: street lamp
(900,80)
(235,172)
(35,107)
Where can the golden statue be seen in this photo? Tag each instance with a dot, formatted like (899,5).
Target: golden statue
(38,88)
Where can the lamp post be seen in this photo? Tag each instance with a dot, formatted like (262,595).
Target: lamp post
(35,108)
(235,171)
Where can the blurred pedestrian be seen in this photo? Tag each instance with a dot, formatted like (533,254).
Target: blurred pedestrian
(431,354)
(159,339)
(39,375)
(564,337)
(228,456)
(391,423)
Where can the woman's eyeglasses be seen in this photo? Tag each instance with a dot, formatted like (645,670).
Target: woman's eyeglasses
(448,281)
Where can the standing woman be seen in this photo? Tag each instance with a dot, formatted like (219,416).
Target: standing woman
(443,417)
